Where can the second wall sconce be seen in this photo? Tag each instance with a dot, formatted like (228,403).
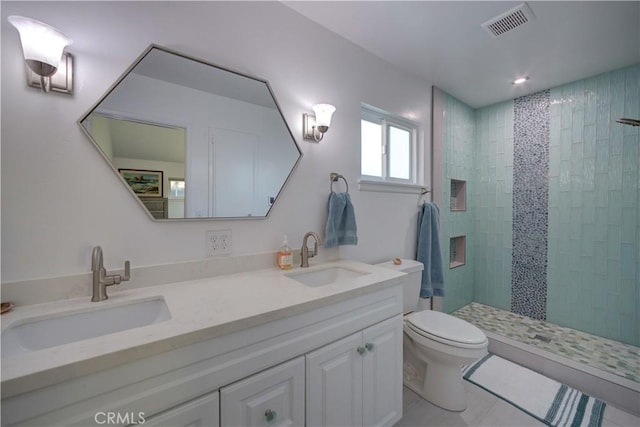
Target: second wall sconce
(315,126)
(49,67)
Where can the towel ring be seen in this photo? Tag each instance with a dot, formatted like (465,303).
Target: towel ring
(334,177)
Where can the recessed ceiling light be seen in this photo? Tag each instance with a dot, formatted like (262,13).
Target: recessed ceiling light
(520,80)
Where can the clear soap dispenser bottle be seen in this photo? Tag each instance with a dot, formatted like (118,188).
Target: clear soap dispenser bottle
(285,256)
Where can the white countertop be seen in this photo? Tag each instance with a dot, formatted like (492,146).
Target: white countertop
(200,310)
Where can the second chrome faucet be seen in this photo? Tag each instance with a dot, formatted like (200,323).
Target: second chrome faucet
(305,253)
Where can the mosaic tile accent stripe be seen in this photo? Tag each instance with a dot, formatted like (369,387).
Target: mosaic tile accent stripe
(611,356)
(530,205)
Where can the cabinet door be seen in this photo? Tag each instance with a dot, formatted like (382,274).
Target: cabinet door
(274,397)
(334,384)
(382,373)
(203,411)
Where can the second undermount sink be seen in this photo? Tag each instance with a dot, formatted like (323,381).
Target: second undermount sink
(325,276)
(38,333)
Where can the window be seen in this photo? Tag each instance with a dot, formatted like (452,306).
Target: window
(176,188)
(388,147)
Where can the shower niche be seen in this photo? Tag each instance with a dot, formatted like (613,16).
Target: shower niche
(457,249)
(458,201)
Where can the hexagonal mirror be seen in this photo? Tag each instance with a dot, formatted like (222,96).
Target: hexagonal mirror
(190,139)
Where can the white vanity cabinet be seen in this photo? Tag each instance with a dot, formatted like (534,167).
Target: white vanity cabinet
(295,368)
(204,412)
(357,380)
(271,398)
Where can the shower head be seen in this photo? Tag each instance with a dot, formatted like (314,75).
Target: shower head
(631,122)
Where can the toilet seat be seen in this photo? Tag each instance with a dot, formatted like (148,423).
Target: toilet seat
(446,329)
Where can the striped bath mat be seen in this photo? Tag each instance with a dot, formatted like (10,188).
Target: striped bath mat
(547,400)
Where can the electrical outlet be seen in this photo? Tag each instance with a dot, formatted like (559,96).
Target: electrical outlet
(218,243)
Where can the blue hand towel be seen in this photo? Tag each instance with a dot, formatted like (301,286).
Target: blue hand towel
(341,221)
(429,251)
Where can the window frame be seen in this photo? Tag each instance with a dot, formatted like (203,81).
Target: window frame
(169,196)
(386,121)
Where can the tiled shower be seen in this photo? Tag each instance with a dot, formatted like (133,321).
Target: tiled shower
(552,218)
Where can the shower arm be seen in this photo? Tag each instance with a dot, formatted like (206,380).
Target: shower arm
(630,122)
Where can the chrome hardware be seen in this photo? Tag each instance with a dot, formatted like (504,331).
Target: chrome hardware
(100,278)
(369,346)
(361,350)
(305,253)
(334,177)
(270,415)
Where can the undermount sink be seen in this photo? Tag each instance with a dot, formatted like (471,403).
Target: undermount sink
(38,333)
(325,276)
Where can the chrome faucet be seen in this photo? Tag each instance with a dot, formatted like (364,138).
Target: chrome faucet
(100,278)
(305,253)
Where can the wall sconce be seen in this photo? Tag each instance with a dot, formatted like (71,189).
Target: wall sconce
(315,126)
(49,67)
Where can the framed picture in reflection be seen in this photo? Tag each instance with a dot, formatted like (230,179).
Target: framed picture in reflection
(144,183)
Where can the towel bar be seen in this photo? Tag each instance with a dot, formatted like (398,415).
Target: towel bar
(423,191)
(334,177)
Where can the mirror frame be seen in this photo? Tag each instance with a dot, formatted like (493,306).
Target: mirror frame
(211,64)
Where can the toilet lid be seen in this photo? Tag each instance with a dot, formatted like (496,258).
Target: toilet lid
(446,327)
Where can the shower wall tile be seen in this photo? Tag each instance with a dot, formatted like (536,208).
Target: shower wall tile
(494,218)
(598,173)
(590,102)
(589,135)
(593,278)
(460,154)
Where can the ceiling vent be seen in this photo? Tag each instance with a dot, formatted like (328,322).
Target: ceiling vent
(509,20)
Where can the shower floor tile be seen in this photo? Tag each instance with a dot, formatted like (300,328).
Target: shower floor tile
(601,353)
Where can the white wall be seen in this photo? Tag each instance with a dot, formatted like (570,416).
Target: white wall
(60,198)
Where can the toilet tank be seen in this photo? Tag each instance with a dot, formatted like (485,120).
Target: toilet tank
(411,288)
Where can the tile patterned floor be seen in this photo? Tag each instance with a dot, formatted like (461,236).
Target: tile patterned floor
(486,410)
(611,356)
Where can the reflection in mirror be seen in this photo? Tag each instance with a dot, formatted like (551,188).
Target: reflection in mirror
(218,137)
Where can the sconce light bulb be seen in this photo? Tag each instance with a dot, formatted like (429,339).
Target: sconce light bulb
(323,116)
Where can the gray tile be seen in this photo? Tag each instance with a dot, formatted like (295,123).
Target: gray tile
(504,414)
(615,417)
(421,413)
(409,398)
(486,410)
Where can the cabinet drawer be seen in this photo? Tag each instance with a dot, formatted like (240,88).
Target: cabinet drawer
(274,397)
(199,412)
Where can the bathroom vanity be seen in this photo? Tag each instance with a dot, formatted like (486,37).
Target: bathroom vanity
(314,346)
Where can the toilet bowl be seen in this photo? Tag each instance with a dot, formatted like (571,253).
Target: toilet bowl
(436,346)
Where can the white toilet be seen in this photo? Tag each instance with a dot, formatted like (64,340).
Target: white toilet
(436,346)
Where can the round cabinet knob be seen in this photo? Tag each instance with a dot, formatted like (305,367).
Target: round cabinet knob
(369,346)
(270,415)
(361,350)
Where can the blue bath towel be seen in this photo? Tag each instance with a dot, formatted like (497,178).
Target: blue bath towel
(341,221)
(429,251)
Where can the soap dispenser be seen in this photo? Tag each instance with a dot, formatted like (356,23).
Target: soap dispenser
(285,256)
